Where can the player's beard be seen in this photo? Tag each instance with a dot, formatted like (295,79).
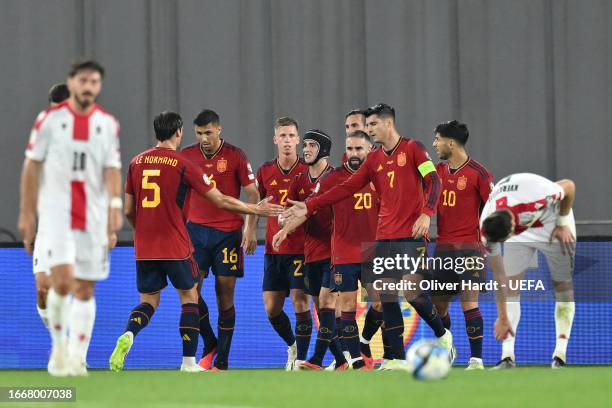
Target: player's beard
(354,163)
(85,103)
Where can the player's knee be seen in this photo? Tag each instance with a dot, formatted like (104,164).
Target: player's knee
(83,291)
(377,306)
(441,307)
(348,301)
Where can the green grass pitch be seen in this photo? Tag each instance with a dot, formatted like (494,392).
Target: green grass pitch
(521,387)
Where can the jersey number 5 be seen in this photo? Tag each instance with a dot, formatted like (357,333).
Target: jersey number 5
(150,185)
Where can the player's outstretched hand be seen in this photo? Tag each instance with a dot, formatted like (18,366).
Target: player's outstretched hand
(565,237)
(265,209)
(249,241)
(278,239)
(27,227)
(298,210)
(502,329)
(421,226)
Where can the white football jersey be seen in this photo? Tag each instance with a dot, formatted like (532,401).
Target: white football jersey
(534,201)
(74,149)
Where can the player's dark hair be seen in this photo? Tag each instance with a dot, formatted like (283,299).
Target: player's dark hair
(85,65)
(497,226)
(381,110)
(354,112)
(205,117)
(285,121)
(453,130)
(58,93)
(166,124)
(360,134)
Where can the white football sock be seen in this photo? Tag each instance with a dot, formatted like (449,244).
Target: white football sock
(189,361)
(57,307)
(82,318)
(43,316)
(362,340)
(513,308)
(564,317)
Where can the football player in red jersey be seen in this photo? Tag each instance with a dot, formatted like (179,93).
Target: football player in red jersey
(156,188)
(356,120)
(317,250)
(354,217)
(399,171)
(216,233)
(283,266)
(466,185)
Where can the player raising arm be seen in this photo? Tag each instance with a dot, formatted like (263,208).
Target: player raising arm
(398,171)
(156,187)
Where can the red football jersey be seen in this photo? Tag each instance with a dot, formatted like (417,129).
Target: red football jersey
(228,170)
(354,218)
(159,180)
(274,181)
(464,191)
(398,177)
(317,228)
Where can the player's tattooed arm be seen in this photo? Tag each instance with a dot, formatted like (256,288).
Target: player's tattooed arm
(249,236)
(28,200)
(562,232)
(502,328)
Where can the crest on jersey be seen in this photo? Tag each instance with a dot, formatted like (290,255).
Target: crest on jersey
(338,278)
(401,159)
(461,183)
(221,165)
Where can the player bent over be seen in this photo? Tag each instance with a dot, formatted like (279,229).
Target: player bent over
(74,154)
(155,192)
(530,213)
(466,186)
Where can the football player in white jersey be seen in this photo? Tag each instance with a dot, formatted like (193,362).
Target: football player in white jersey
(57,94)
(531,213)
(71,178)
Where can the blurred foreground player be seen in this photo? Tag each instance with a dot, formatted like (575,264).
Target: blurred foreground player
(74,155)
(284,266)
(155,192)
(409,187)
(57,94)
(216,233)
(466,186)
(530,213)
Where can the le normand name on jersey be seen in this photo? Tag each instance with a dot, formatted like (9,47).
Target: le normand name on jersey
(170,161)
